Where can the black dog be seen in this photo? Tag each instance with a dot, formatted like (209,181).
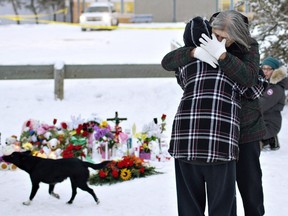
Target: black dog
(51,171)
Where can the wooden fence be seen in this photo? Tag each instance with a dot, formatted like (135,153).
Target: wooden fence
(59,72)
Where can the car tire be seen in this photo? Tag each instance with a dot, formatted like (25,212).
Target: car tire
(114,22)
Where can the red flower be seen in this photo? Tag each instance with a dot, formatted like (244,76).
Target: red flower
(102,174)
(54,121)
(163,117)
(85,134)
(85,126)
(77,147)
(79,129)
(73,151)
(70,147)
(28,123)
(64,125)
(67,154)
(129,162)
(115,173)
(142,170)
(120,164)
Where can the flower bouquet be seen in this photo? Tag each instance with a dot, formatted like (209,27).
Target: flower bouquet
(129,167)
(73,151)
(150,138)
(104,138)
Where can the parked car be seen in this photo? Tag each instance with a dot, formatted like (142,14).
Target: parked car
(98,16)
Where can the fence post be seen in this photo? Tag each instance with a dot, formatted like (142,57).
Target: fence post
(59,80)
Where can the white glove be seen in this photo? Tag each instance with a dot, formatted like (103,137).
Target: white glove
(204,56)
(213,46)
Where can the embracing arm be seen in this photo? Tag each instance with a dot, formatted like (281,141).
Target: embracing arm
(243,71)
(177,58)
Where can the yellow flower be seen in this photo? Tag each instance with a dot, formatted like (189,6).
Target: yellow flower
(72,133)
(145,145)
(137,135)
(141,136)
(27,146)
(39,154)
(104,124)
(144,136)
(125,174)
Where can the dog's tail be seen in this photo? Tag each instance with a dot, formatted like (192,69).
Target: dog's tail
(97,166)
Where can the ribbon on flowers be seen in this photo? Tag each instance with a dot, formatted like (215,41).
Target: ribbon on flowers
(78,141)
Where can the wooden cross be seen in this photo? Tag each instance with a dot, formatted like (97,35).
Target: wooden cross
(116,119)
(118,129)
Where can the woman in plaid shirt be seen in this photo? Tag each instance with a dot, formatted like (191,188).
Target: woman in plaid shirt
(205,132)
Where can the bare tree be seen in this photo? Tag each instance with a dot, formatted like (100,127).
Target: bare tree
(36,6)
(16,5)
(55,5)
(270,24)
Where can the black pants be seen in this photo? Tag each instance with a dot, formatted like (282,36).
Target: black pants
(191,191)
(249,179)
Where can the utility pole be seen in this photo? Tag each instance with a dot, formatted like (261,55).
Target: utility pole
(174,11)
(231,4)
(83,6)
(71,11)
(122,6)
(78,8)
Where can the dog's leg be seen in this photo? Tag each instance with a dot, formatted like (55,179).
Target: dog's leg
(85,187)
(35,187)
(28,202)
(51,191)
(74,191)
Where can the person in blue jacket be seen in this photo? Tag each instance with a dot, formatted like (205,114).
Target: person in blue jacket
(273,100)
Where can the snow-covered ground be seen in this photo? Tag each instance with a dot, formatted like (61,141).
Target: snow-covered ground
(140,100)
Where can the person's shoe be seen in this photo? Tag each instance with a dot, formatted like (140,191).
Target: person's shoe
(274,143)
(264,145)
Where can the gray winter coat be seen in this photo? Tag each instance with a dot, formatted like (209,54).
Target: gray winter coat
(273,101)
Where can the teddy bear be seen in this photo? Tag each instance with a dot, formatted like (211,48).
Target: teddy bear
(52,149)
(12,144)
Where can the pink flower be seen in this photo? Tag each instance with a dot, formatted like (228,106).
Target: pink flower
(41,130)
(123,137)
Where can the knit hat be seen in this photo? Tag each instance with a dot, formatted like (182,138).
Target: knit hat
(193,31)
(272,62)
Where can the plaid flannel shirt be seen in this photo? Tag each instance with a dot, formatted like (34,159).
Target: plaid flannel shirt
(241,68)
(206,126)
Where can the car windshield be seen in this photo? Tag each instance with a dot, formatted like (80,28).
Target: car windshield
(97,9)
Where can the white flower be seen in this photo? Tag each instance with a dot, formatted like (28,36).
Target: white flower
(152,129)
(34,138)
(75,121)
